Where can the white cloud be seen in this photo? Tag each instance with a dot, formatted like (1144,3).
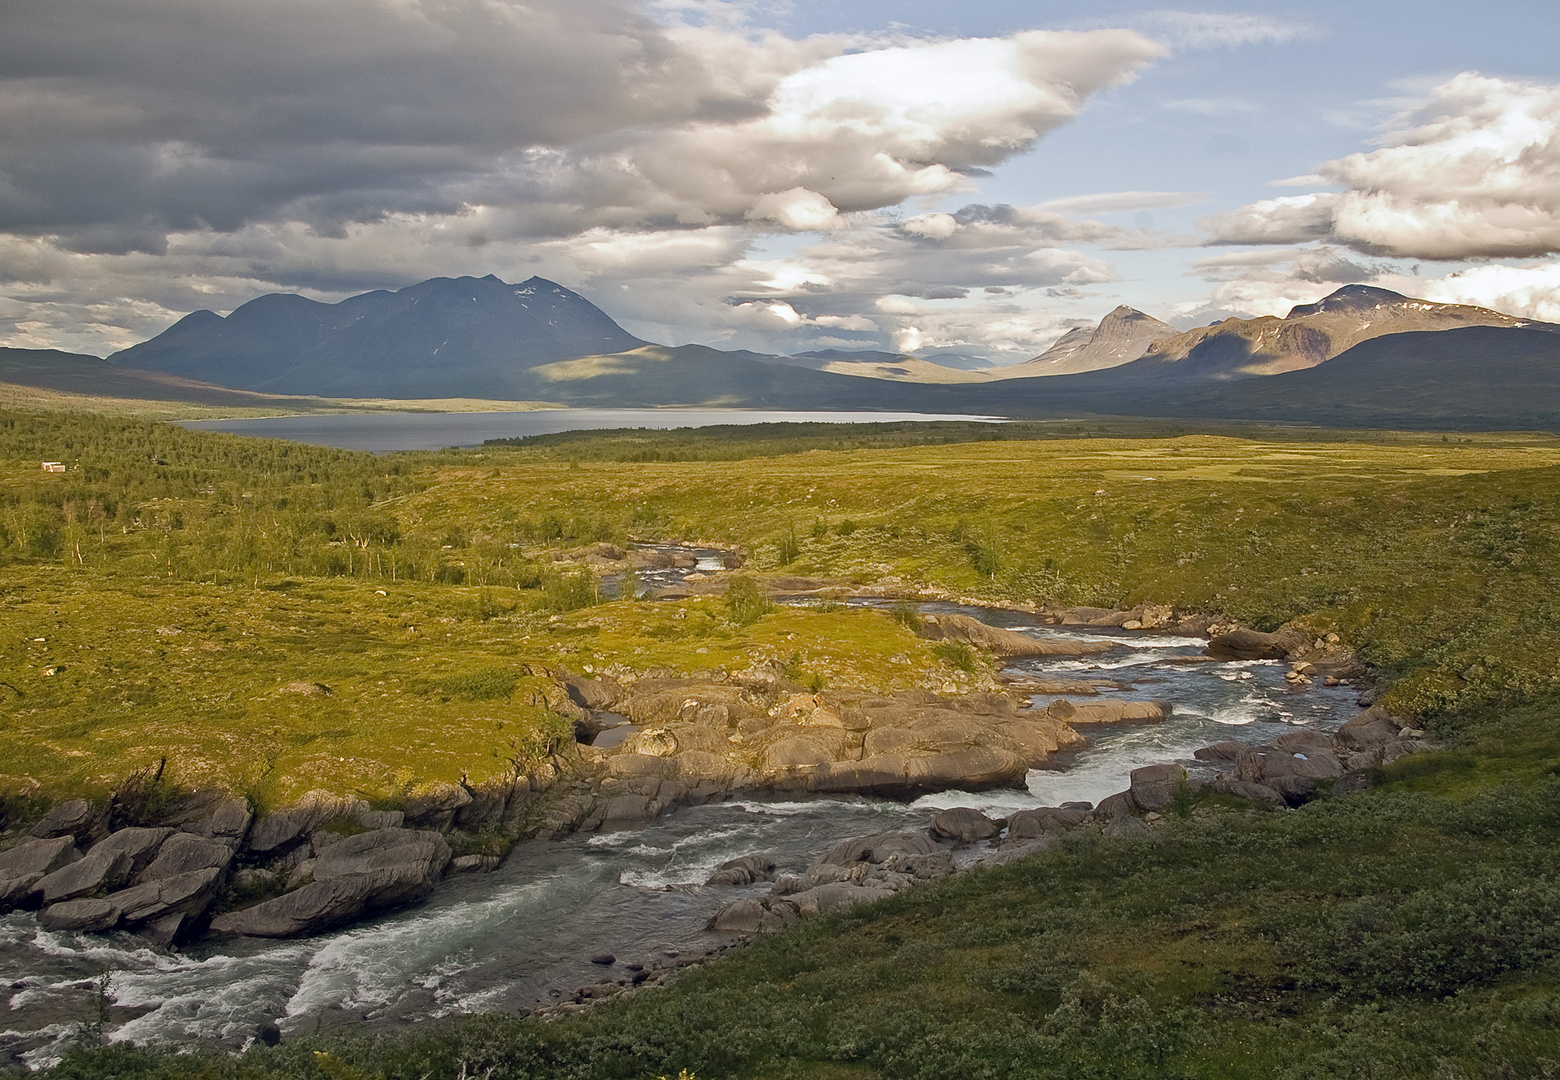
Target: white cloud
(1115,202)
(1472,172)
(153,162)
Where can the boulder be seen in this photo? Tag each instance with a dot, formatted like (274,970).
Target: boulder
(228,820)
(1242,789)
(76,818)
(436,807)
(182,894)
(1255,645)
(91,874)
(82,916)
(1367,731)
(474,864)
(33,856)
(381,819)
(834,895)
(184,852)
(1154,786)
(17,891)
(363,873)
(963,825)
(877,848)
(1044,821)
(138,843)
(746,917)
(1228,750)
(744,871)
(1109,711)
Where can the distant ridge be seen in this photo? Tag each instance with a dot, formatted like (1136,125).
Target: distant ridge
(1121,337)
(445,337)
(1309,335)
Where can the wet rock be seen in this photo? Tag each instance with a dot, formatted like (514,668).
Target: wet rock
(83,916)
(474,864)
(91,874)
(268,1034)
(963,825)
(140,844)
(363,873)
(1109,711)
(183,852)
(1228,750)
(76,818)
(744,871)
(162,932)
(605,959)
(36,856)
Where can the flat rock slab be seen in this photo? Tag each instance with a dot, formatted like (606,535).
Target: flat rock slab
(94,873)
(39,856)
(184,852)
(82,916)
(139,844)
(74,818)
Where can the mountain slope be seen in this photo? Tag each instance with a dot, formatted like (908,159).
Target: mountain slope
(446,337)
(1309,335)
(75,373)
(1121,337)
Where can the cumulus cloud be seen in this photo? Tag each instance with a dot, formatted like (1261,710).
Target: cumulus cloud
(163,155)
(1472,172)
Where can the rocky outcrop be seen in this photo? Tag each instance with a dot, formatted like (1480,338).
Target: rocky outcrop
(744,871)
(964,826)
(360,874)
(1108,711)
(77,818)
(1290,771)
(1010,643)
(700,740)
(1241,644)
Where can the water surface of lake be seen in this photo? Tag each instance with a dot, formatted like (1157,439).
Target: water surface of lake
(382,432)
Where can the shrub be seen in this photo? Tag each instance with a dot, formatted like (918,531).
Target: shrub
(956,654)
(745,600)
(488,684)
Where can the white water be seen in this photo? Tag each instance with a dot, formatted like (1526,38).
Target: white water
(510,939)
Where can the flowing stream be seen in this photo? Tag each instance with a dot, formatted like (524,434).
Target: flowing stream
(525,933)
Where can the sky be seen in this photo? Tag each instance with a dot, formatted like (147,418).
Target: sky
(918,175)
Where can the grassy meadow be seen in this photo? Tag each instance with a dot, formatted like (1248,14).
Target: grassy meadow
(273,617)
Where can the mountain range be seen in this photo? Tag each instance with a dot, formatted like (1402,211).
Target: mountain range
(1362,356)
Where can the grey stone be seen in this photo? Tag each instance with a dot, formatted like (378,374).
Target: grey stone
(139,844)
(963,825)
(39,856)
(1043,821)
(474,864)
(183,852)
(1242,789)
(83,916)
(436,808)
(17,891)
(381,819)
(162,932)
(184,894)
(877,848)
(1013,852)
(76,818)
(744,871)
(1115,806)
(1255,645)
(1154,786)
(828,897)
(285,827)
(1228,750)
(363,873)
(94,873)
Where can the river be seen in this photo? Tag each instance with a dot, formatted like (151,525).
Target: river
(524,933)
(383,432)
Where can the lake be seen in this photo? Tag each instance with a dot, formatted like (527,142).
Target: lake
(383,432)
